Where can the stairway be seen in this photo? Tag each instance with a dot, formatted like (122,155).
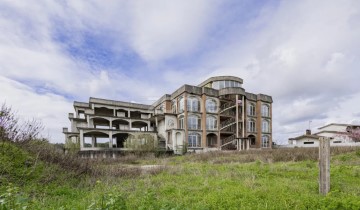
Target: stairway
(228,143)
(227,123)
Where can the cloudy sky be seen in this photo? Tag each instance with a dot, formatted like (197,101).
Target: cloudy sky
(306,54)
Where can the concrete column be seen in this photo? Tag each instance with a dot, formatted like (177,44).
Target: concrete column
(93,141)
(128,113)
(114,112)
(81,139)
(185,119)
(110,139)
(237,116)
(130,126)
(248,144)
(203,120)
(110,124)
(243,116)
(324,165)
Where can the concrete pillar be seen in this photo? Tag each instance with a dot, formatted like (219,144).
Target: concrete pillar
(203,120)
(185,120)
(243,116)
(81,139)
(93,141)
(130,126)
(110,124)
(129,114)
(237,116)
(114,112)
(110,139)
(247,144)
(324,165)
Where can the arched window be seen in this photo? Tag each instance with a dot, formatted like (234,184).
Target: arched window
(194,140)
(181,122)
(265,110)
(251,109)
(211,105)
(193,122)
(181,104)
(193,104)
(265,142)
(251,126)
(265,126)
(211,123)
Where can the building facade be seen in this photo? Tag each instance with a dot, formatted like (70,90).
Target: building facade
(216,114)
(337,134)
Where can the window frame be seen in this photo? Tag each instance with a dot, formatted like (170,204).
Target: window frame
(211,123)
(265,126)
(181,122)
(265,141)
(251,126)
(193,122)
(251,109)
(181,104)
(194,140)
(211,108)
(193,104)
(265,110)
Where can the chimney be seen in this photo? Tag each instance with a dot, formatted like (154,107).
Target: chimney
(308,132)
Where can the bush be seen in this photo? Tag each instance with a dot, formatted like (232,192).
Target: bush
(12,129)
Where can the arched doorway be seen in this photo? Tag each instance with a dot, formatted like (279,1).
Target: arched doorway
(211,140)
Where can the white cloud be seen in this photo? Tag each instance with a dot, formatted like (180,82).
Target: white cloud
(162,29)
(50,109)
(303,53)
(306,56)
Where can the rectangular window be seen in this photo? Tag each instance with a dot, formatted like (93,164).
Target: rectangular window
(194,140)
(181,123)
(309,142)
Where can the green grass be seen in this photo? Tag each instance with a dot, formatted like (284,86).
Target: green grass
(217,181)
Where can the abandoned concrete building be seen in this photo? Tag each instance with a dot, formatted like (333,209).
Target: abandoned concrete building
(217,114)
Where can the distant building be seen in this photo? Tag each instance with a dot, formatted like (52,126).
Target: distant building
(336,132)
(216,114)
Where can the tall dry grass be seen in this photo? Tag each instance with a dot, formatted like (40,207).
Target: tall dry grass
(269,155)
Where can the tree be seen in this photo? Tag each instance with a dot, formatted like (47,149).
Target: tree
(354,133)
(12,129)
(141,142)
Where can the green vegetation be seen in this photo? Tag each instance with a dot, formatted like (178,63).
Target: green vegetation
(232,180)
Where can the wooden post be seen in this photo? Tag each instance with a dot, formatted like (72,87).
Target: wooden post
(324,165)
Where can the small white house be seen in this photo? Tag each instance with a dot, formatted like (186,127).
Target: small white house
(336,132)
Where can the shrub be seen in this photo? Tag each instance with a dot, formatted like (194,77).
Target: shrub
(12,129)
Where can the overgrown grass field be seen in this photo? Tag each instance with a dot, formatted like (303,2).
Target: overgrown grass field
(275,179)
